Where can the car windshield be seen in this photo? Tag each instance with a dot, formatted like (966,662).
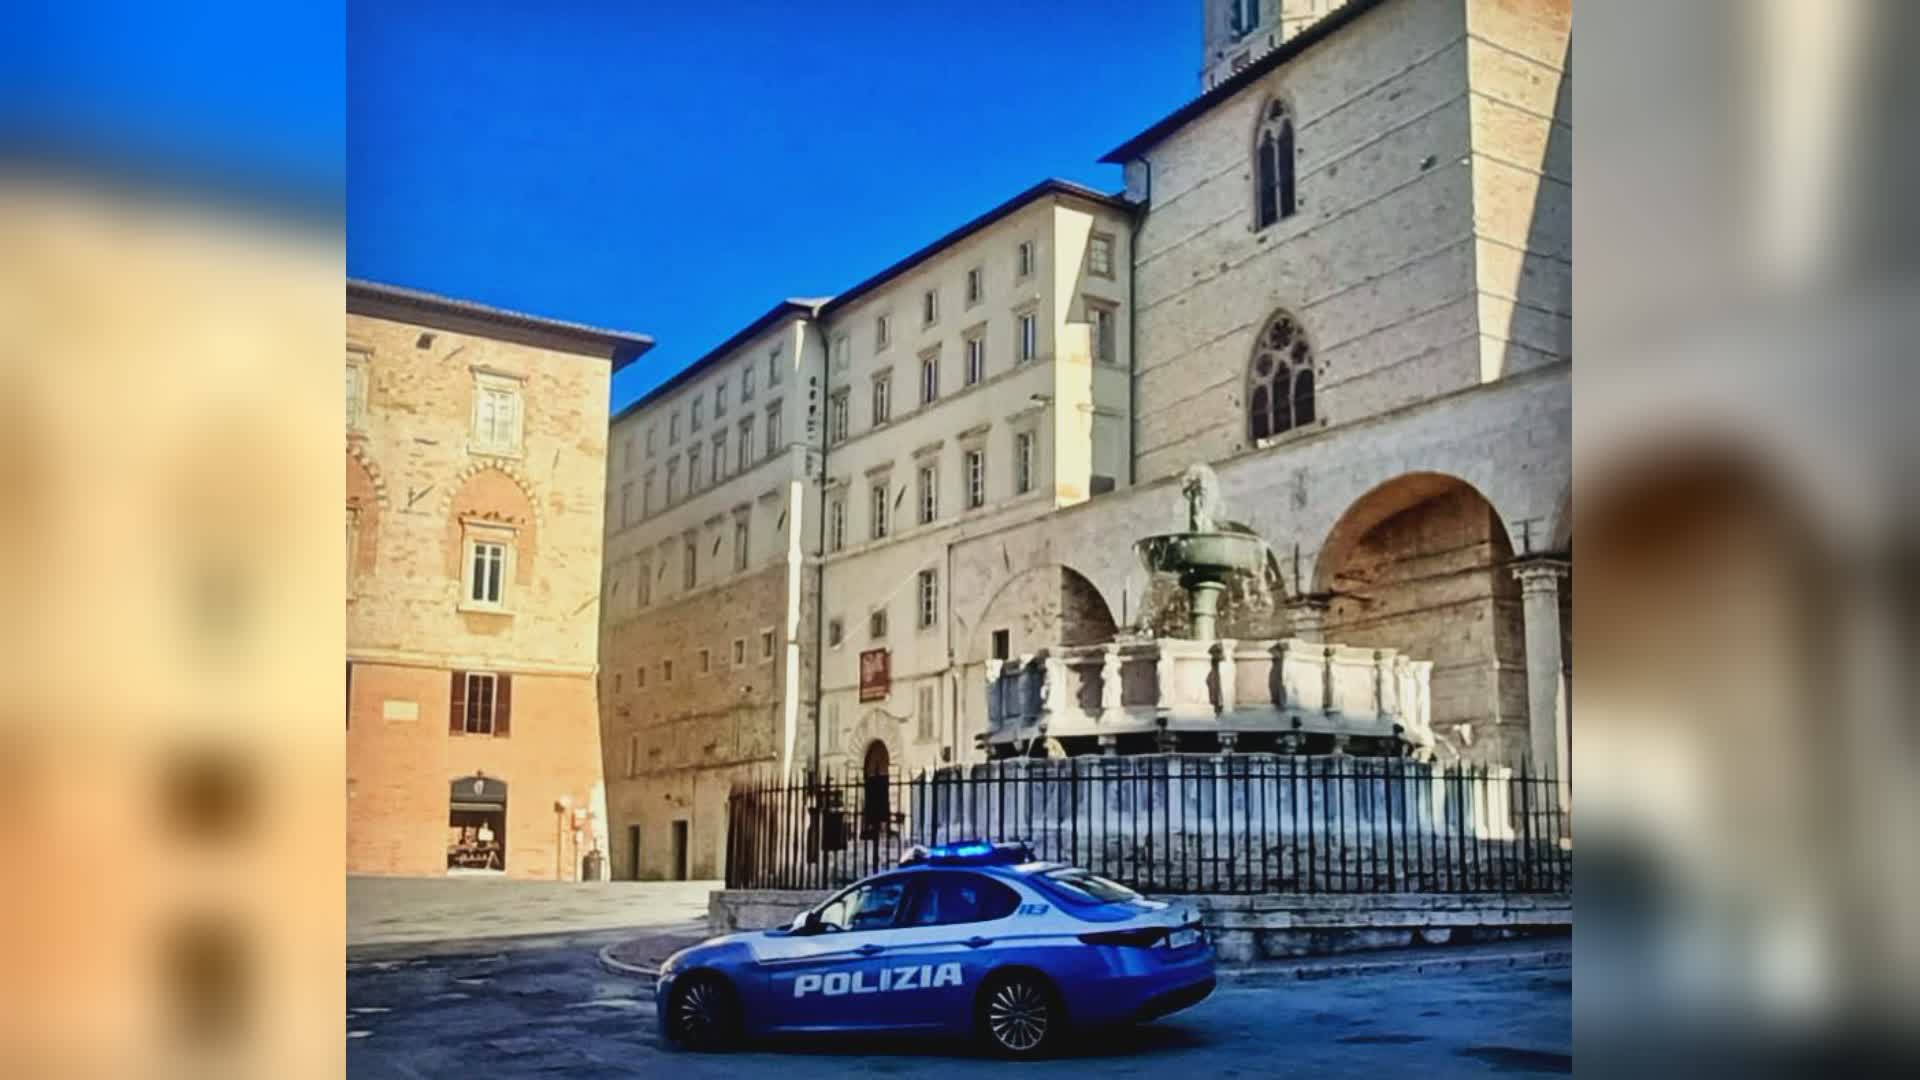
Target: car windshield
(1082,885)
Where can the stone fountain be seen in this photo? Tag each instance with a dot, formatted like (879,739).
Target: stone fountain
(1143,693)
(1205,557)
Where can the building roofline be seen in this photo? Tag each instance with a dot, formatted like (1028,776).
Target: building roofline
(1328,25)
(780,313)
(819,308)
(1050,186)
(382,300)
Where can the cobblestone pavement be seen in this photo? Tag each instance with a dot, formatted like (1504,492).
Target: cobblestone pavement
(387,916)
(555,1011)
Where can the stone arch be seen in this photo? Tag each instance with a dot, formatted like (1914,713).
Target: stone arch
(1423,564)
(498,494)
(366,508)
(1042,606)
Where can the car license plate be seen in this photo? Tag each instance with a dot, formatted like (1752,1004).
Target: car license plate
(1183,937)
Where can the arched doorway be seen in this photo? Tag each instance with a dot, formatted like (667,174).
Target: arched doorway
(477,825)
(1422,564)
(875,811)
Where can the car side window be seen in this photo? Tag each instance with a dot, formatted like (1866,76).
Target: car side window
(946,898)
(865,907)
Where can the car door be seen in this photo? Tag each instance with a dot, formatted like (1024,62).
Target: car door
(820,980)
(946,945)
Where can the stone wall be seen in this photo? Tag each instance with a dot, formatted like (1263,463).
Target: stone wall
(1273,926)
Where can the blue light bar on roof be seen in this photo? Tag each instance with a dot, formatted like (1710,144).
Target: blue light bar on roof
(969,853)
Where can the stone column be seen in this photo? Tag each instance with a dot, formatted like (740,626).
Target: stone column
(1307,616)
(1546,715)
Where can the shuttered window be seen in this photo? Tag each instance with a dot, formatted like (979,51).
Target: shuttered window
(482,704)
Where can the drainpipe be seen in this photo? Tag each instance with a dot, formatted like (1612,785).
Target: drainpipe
(1133,325)
(820,546)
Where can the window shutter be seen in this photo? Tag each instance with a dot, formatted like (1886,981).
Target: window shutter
(457,715)
(503,704)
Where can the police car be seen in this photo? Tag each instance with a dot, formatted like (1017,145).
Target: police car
(961,939)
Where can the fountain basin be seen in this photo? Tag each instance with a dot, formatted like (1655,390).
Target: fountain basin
(1203,556)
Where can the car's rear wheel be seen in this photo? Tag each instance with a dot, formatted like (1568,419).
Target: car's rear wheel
(704,1014)
(1020,1015)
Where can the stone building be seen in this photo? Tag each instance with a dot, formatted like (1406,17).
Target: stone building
(1341,276)
(476,462)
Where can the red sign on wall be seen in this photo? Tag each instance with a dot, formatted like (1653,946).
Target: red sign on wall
(876,675)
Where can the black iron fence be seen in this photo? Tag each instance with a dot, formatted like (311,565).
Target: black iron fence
(1251,823)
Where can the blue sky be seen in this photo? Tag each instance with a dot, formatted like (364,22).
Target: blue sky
(677,169)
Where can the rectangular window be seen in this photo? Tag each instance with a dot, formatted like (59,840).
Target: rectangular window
(640,677)
(693,469)
(673,429)
(697,414)
(1023,462)
(616,682)
(877,525)
(766,644)
(673,481)
(496,415)
(626,504)
(976,479)
(489,571)
(643,594)
(1029,337)
(482,704)
(1101,333)
(929,379)
(975,290)
(976,359)
(720,399)
(882,332)
(1100,255)
(740,544)
(743,454)
(836,525)
(930,307)
(1002,644)
(746,383)
(841,354)
(633,755)
(773,429)
(719,457)
(877,625)
(739,651)
(706,661)
(774,368)
(650,441)
(690,565)
(646,496)
(1023,260)
(666,671)
(929,494)
(837,409)
(929,599)
(882,398)
(926,717)
(836,632)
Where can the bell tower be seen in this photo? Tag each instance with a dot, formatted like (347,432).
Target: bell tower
(1238,32)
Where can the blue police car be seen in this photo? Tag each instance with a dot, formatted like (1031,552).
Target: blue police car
(961,939)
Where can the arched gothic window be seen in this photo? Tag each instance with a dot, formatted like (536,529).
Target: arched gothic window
(1280,379)
(1273,167)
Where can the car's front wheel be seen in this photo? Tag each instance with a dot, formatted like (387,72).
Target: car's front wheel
(704,1013)
(1020,1015)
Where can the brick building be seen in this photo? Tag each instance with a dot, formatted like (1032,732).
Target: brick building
(476,463)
